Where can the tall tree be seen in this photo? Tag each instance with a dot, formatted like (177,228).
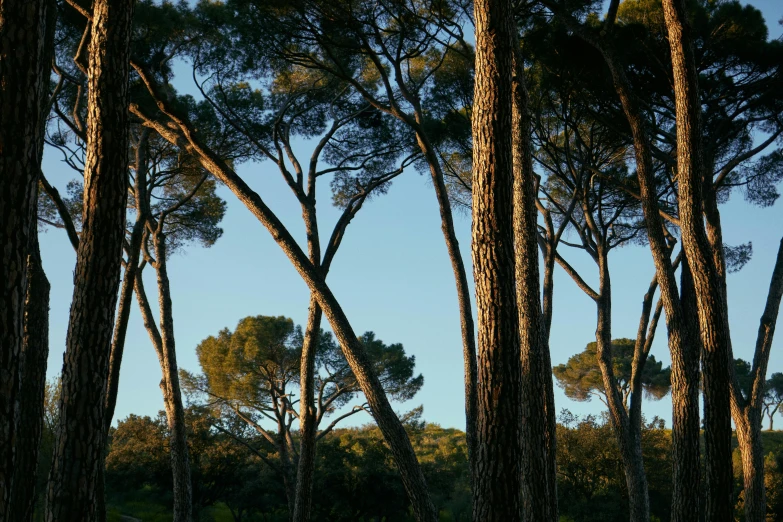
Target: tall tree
(23,86)
(397,55)
(81,433)
(537,422)
(683,343)
(497,486)
(183,133)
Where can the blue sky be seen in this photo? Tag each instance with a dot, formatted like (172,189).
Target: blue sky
(392,276)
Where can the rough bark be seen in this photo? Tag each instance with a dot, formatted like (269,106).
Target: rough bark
(708,285)
(23,84)
(747,411)
(497,485)
(683,338)
(388,422)
(537,420)
(31,397)
(79,452)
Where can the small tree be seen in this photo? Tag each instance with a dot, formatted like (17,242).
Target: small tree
(580,378)
(250,375)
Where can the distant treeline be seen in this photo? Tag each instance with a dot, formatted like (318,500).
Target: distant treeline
(356,479)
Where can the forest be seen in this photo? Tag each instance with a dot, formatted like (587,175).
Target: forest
(568,132)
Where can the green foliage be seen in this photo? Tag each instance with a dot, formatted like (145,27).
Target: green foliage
(580,378)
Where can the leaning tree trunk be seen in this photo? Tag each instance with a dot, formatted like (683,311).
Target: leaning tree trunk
(172,396)
(747,412)
(355,354)
(23,85)
(628,436)
(537,421)
(497,486)
(79,452)
(713,323)
(31,397)
(129,278)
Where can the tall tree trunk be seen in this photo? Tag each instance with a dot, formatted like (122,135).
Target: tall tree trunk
(129,278)
(307,412)
(79,452)
(31,397)
(23,85)
(172,396)
(683,338)
(307,415)
(713,323)
(747,411)
(537,420)
(628,435)
(497,485)
(463,292)
(355,354)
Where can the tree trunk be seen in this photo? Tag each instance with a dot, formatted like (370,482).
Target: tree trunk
(355,354)
(23,85)
(747,412)
(129,278)
(307,416)
(752,453)
(683,339)
(31,397)
(79,452)
(497,485)
(713,323)
(628,435)
(463,292)
(172,396)
(537,421)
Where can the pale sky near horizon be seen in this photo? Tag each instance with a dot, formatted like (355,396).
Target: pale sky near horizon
(392,276)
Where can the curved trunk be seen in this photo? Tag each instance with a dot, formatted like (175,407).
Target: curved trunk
(172,396)
(537,421)
(31,397)
(497,485)
(23,85)
(79,452)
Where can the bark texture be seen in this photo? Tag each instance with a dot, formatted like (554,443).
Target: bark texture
(23,84)
(747,411)
(79,451)
(31,397)
(537,420)
(388,422)
(683,337)
(497,486)
(705,269)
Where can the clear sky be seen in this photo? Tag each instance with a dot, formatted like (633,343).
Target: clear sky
(392,276)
